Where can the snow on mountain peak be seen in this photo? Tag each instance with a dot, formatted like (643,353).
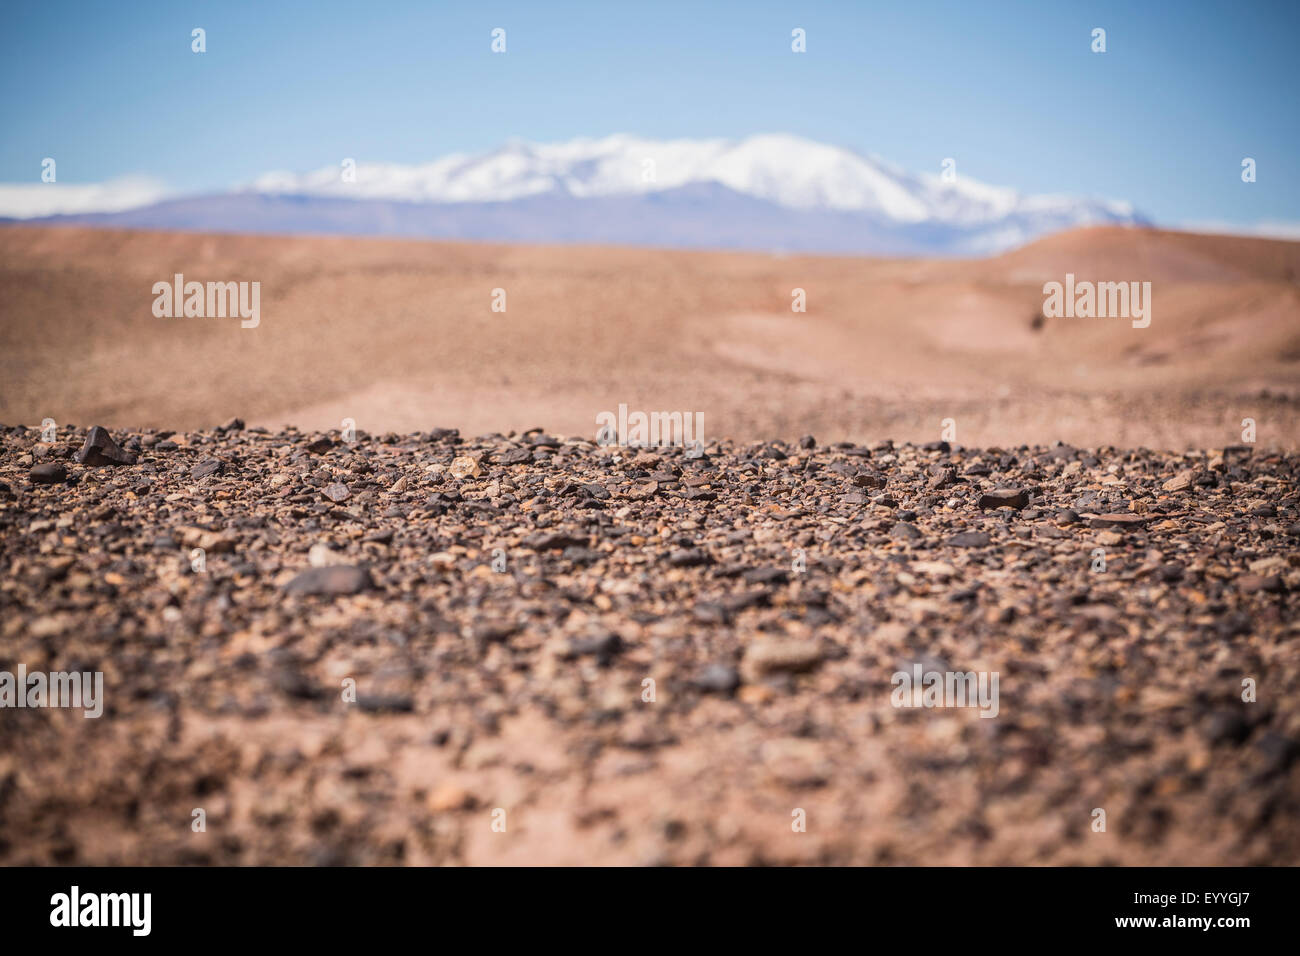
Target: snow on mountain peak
(786,170)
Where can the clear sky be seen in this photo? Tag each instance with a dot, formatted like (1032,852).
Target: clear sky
(1010,88)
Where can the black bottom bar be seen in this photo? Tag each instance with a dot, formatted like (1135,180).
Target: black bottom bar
(1223,906)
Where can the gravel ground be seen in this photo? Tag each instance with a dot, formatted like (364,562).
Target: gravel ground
(428,648)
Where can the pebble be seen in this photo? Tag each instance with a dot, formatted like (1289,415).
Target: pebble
(766,655)
(331,580)
(49,473)
(336,492)
(207,467)
(1004,498)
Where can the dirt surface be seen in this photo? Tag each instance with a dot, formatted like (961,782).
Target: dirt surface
(401,336)
(769,593)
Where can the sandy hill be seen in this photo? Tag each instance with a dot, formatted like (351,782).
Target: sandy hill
(400,335)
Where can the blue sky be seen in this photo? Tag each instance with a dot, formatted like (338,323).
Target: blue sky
(1010,89)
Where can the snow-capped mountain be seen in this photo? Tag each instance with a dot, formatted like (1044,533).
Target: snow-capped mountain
(773,192)
(784,170)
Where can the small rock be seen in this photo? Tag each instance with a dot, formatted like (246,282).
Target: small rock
(1226,727)
(1125,521)
(386,703)
(553,541)
(969,539)
(321,555)
(333,580)
(767,576)
(1004,498)
(49,473)
(100,449)
(465,467)
(1250,583)
(1278,752)
(1170,573)
(515,456)
(208,466)
(941,476)
(604,647)
(718,679)
(337,492)
(768,655)
(689,558)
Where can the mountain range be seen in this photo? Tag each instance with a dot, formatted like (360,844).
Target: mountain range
(775,193)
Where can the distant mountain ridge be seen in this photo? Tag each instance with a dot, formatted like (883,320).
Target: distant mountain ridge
(775,193)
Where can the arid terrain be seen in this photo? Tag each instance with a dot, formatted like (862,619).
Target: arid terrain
(453,637)
(400,336)
(431,649)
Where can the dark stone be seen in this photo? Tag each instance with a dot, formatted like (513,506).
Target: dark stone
(1123,521)
(904,530)
(554,541)
(1004,498)
(941,476)
(604,647)
(208,466)
(100,449)
(766,576)
(386,704)
(718,679)
(969,539)
(1279,752)
(515,456)
(1170,573)
(689,558)
(1226,727)
(49,473)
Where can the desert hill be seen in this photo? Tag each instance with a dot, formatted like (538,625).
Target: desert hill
(400,335)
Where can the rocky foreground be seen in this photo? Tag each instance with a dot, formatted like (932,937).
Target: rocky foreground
(520,649)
